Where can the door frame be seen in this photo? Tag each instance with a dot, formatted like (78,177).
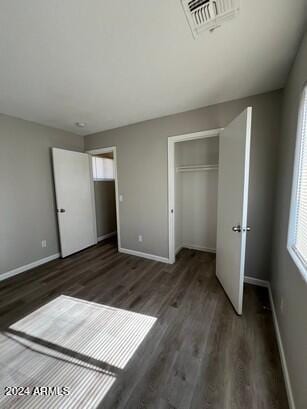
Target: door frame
(111,149)
(171,181)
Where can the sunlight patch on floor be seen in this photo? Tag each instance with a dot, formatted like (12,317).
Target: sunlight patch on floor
(73,343)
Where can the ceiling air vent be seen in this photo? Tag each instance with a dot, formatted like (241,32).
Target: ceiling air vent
(208,14)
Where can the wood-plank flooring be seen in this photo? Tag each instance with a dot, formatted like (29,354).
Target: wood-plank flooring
(198,355)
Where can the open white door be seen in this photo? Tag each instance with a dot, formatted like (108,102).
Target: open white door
(232,206)
(75,200)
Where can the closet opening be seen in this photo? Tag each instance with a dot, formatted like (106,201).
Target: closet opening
(104,176)
(194,184)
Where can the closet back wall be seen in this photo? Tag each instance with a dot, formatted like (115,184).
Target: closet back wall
(142,173)
(197,194)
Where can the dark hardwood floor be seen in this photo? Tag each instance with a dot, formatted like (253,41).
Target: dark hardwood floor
(198,355)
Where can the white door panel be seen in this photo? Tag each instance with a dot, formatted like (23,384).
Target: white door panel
(75,200)
(232,206)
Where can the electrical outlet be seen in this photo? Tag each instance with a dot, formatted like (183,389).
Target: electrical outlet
(121,198)
(140,238)
(44,243)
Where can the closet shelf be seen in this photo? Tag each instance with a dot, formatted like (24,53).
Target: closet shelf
(196,168)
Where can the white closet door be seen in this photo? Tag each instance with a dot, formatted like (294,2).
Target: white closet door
(232,206)
(75,200)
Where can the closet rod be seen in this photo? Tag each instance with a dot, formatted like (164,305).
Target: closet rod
(196,168)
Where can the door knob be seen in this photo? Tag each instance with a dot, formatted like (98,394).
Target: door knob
(61,210)
(247,228)
(237,228)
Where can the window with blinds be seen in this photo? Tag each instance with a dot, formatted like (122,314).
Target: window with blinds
(103,168)
(297,240)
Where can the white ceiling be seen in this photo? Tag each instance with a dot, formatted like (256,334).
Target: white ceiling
(111,63)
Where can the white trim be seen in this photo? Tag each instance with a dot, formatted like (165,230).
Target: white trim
(106,236)
(171,181)
(171,201)
(100,151)
(256,281)
(116,195)
(29,266)
(93,200)
(282,353)
(144,255)
(114,151)
(195,135)
(301,264)
(295,179)
(199,248)
(194,247)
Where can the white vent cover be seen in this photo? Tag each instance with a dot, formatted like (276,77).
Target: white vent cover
(208,14)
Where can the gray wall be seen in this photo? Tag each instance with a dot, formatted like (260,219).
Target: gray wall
(27,205)
(287,282)
(105,207)
(142,169)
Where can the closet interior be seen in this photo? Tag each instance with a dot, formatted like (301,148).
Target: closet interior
(105,199)
(196,190)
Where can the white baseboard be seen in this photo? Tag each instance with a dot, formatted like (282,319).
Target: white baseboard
(144,255)
(194,247)
(256,281)
(106,236)
(282,353)
(264,283)
(26,267)
(199,248)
